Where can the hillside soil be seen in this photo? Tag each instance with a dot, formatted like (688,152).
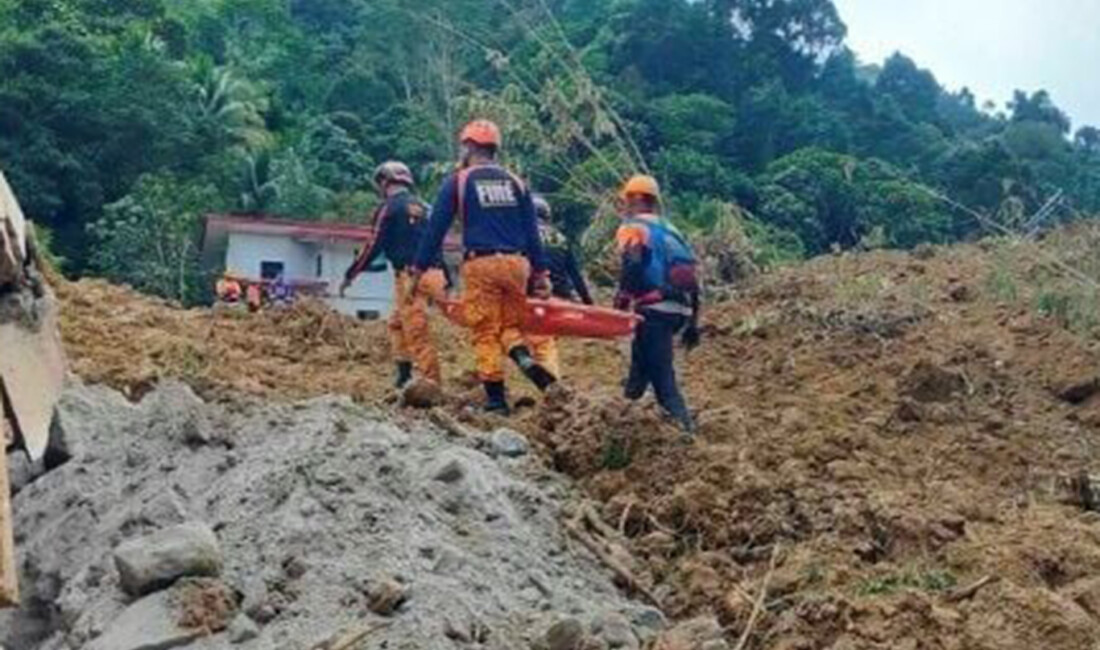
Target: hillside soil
(895,449)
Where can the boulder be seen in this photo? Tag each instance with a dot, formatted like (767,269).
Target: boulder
(614,630)
(508,443)
(151,623)
(242,630)
(567,634)
(156,561)
(450,470)
(422,394)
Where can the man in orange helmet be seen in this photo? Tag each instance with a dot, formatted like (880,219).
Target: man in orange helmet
(503,252)
(399,225)
(659,282)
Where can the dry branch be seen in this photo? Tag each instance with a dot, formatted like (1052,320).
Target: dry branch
(966,593)
(624,574)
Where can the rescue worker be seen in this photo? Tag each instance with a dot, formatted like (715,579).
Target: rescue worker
(279,292)
(566,281)
(657,281)
(254,296)
(399,225)
(502,253)
(228,290)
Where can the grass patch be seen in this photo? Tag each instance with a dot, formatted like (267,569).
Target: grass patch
(616,453)
(933,581)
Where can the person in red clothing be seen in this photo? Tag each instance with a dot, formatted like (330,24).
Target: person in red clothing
(503,252)
(399,225)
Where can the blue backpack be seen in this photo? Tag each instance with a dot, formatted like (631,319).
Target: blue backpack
(673,268)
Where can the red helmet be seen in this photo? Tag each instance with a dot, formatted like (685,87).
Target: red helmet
(393,172)
(482,132)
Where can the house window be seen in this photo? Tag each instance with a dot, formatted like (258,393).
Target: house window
(271,270)
(368,314)
(320,265)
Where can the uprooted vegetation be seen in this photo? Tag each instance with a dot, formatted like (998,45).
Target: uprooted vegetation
(895,449)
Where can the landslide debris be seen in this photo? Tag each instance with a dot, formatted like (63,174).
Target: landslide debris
(290,525)
(900,447)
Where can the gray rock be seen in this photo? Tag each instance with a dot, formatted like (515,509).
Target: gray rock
(451,470)
(155,561)
(22,471)
(566,634)
(165,509)
(508,443)
(615,630)
(649,621)
(148,624)
(242,630)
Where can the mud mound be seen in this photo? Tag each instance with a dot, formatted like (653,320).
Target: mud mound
(127,341)
(318,507)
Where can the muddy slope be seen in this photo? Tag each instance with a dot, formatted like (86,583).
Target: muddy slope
(895,449)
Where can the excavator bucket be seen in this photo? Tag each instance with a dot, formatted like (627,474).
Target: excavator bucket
(32,364)
(32,360)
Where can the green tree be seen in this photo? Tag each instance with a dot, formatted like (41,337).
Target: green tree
(149,238)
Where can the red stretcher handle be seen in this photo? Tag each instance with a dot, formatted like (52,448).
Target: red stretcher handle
(562,318)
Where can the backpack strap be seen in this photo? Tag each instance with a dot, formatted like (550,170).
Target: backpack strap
(461,177)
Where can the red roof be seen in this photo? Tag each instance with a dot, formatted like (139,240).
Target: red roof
(218,225)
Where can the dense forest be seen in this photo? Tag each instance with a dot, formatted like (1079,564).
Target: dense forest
(122,123)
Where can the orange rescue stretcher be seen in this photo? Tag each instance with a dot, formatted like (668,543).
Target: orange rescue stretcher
(561,318)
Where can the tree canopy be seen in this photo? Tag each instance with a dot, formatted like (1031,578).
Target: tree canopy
(122,122)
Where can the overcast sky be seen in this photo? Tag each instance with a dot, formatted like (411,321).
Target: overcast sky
(990,46)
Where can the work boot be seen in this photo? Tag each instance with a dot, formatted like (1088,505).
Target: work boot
(496,401)
(404,373)
(687,430)
(539,376)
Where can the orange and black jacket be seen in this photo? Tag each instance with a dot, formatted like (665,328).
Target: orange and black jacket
(566,279)
(399,225)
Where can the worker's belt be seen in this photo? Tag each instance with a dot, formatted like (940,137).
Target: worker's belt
(473,255)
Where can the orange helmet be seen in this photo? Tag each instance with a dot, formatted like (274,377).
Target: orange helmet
(482,132)
(641,184)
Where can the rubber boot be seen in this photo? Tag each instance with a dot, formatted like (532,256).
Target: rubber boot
(404,373)
(539,376)
(495,398)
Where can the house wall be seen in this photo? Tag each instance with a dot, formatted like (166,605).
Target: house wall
(370,296)
(247,250)
(372,292)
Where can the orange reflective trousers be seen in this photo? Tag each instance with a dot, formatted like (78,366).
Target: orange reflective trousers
(496,304)
(410,332)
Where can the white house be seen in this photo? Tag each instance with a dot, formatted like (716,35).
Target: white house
(312,256)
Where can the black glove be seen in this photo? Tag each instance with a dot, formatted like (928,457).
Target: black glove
(691,336)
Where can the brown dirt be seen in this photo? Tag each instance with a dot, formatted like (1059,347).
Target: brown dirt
(206,605)
(881,427)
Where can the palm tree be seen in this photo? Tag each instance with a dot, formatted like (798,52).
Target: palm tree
(229,106)
(259,189)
